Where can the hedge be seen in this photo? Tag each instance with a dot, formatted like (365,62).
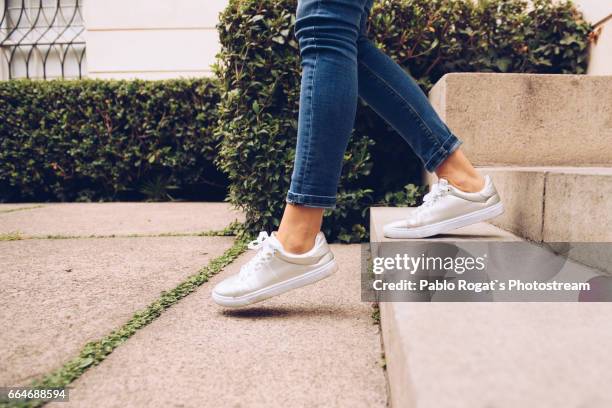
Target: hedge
(259,80)
(108,140)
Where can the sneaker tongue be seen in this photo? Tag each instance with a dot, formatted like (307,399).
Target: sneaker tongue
(443,182)
(274,242)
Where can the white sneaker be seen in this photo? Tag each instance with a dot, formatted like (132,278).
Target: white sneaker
(446,208)
(273,271)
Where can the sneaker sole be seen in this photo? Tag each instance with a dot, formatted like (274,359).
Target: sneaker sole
(308,278)
(447,225)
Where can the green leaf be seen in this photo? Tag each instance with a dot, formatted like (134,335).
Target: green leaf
(86,362)
(503,64)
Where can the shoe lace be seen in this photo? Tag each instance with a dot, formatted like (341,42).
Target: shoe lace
(438,191)
(263,255)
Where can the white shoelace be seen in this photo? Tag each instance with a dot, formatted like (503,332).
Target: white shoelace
(264,254)
(259,241)
(438,191)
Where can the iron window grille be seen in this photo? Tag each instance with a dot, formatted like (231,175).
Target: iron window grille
(42,39)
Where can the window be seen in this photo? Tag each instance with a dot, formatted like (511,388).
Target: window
(42,39)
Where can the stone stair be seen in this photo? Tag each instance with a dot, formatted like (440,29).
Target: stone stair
(480,355)
(545,140)
(548,203)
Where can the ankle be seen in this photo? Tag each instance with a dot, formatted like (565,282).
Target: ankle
(469,183)
(296,243)
(299,228)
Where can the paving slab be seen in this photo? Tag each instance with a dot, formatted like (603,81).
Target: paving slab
(57,295)
(314,347)
(86,219)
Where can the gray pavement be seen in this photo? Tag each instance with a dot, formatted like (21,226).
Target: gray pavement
(4,208)
(317,346)
(312,347)
(57,295)
(84,219)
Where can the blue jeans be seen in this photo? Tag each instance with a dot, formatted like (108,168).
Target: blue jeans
(339,65)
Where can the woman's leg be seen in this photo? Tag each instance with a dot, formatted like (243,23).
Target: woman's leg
(462,197)
(327,31)
(298,255)
(460,172)
(299,227)
(396,97)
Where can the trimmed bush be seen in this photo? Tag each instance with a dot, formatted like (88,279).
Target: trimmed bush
(108,140)
(258,119)
(434,37)
(260,75)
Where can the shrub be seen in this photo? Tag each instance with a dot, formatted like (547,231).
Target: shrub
(258,119)
(259,78)
(434,37)
(108,140)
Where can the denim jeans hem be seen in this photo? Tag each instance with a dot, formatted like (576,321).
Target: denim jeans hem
(313,201)
(442,153)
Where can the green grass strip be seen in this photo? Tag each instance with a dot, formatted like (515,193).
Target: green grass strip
(232,230)
(20,209)
(11,236)
(95,352)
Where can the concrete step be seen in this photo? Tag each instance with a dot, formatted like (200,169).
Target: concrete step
(529,120)
(553,204)
(480,355)
(558,204)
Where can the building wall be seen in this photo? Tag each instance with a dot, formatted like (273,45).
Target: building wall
(601,53)
(599,12)
(151,39)
(167,39)
(594,10)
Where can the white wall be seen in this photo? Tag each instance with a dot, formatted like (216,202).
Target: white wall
(594,11)
(151,39)
(156,39)
(601,53)
(599,12)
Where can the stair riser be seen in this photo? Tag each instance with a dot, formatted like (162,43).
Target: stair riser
(529,120)
(555,207)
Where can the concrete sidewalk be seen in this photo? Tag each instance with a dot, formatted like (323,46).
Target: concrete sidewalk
(58,294)
(316,346)
(86,219)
